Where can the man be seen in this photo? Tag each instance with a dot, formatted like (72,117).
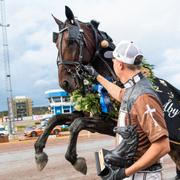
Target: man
(140,107)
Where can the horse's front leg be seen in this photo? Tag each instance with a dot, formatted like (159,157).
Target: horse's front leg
(93,125)
(41,157)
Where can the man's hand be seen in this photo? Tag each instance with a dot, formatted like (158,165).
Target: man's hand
(114,174)
(119,174)
(91,72)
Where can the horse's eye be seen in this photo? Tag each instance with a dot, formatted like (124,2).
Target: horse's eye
(70,42)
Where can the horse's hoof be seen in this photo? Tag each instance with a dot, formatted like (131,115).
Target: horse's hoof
(41,160)
(80,165)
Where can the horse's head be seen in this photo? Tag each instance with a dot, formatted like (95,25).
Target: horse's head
(79,44)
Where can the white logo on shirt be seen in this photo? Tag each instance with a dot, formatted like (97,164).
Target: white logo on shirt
(150,111)
(170,109)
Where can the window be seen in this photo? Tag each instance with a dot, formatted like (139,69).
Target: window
(57,99)
(66,111)
(65,99)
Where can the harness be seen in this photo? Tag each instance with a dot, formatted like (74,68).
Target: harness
(76,33)
(60,61)
(97,54)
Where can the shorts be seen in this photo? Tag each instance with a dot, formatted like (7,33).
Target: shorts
(146,176)
(154,172)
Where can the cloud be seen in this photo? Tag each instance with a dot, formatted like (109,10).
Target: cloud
(153,25)
(41,83)
(170,66)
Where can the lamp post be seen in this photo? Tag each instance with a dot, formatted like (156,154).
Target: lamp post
(7,68)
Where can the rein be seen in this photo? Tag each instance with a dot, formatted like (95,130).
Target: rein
(98,55)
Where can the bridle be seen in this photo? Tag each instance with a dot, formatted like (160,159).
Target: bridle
(78,35)
(77,64)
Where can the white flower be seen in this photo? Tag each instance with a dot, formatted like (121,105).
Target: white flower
(86,82)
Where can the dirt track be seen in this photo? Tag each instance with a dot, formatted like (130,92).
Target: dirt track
(17,159)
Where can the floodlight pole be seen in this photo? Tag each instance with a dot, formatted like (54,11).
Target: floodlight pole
(7,68)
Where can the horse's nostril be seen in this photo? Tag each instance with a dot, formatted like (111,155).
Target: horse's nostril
(65,84)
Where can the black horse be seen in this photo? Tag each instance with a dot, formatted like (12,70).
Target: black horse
(80,44)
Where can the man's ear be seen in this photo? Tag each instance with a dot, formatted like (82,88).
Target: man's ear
(121,65)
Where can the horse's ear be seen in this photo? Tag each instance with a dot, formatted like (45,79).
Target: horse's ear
(69,15)
(95,23)
(60,23)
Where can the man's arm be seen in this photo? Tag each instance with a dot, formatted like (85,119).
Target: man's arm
(157,149)
(114,90)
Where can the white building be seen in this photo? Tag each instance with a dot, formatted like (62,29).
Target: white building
(59,101)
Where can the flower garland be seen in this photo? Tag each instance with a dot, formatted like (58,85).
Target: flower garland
(90,101)
(86,103)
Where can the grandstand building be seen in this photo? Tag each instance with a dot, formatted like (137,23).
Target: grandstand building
(59,101)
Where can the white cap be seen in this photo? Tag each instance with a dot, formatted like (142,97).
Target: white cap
(125,51)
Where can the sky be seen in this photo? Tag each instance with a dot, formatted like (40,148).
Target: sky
(153,25)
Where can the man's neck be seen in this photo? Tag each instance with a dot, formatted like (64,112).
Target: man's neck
(129,75)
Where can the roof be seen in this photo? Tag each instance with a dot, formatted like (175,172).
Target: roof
(21,97)
(55,93)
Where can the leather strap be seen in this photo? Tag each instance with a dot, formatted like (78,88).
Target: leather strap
(134,80)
